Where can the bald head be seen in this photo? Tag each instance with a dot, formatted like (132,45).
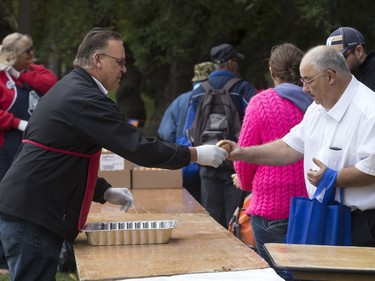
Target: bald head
(326,75)
(325,57)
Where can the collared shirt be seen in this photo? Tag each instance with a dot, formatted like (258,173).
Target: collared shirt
(100,85)
(343,136)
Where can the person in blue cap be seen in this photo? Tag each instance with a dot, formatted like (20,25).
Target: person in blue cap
(172,127)
(351,44)
(218,194)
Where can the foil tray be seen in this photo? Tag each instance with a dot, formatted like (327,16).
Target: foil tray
(129,233)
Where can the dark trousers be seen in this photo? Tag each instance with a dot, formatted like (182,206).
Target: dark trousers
(363,228)
(6,157)
(218,194)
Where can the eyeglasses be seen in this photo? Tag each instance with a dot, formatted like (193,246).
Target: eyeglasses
(120,62)
(29,50)
(309,82)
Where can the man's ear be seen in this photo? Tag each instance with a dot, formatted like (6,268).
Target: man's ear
(359,52)
(96,60)
(331,74)
(230,65)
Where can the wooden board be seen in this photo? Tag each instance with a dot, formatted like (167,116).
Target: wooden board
(198,244)
(156,201)
(324,262)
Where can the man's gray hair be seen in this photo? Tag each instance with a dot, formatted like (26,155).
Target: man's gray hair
(329,58)
(96,40)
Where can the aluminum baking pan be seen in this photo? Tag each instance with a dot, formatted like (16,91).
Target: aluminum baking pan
(129,233)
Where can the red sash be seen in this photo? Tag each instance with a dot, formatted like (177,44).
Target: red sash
(91,178)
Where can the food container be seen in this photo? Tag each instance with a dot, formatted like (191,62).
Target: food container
(129,233)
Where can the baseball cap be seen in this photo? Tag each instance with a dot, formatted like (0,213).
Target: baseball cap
(202,70)
(345,38)
(223,53)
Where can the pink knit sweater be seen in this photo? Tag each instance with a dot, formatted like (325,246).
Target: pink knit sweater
(269,117)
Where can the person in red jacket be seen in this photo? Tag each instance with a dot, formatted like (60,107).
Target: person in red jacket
(22,83)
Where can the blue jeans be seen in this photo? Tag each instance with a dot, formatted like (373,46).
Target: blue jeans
(268,231)
(32,251)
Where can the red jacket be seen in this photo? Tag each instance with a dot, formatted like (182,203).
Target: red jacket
(38,77)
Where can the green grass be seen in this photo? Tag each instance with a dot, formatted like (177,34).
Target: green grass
(59,277)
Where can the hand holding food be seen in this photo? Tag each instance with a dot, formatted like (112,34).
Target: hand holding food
(210,155)
(225,145)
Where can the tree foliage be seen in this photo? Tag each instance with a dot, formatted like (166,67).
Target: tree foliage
(167,37)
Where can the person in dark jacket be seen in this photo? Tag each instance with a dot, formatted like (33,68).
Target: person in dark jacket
(46,194)
(351,44)
(218,194)
(172,127)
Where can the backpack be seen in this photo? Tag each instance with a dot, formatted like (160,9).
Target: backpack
(216,115)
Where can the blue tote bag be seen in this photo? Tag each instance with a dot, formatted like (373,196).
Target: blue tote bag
(320,223)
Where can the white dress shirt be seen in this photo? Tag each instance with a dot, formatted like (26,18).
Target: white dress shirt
(342,137)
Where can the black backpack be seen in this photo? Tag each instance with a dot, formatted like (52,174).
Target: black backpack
(216,116)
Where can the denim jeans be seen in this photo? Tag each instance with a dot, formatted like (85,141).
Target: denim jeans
(268,231)
(32,251)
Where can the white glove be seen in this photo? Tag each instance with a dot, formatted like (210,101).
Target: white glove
(22,125)
(211,155)
(13,72)
(120,196)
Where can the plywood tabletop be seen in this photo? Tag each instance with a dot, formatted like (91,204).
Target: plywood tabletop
(322,258)
(198,244)
(173,200)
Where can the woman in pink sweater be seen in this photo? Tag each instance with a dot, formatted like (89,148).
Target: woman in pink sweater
(269,116)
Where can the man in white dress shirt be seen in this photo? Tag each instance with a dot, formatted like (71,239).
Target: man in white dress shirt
(337,131)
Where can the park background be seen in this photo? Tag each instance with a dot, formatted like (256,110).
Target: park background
(165,38)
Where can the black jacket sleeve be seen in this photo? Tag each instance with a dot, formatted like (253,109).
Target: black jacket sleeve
(101,187)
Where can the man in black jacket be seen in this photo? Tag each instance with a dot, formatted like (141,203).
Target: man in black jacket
(46,194)
(351,44)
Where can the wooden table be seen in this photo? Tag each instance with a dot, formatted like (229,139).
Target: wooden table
(166,200)
(198,243)
(313,262)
